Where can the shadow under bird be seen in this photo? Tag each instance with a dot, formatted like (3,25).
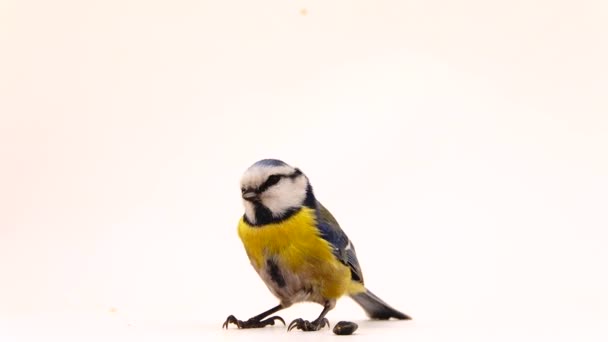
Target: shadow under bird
(298,249)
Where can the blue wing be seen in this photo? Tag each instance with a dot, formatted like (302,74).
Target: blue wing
(344,249)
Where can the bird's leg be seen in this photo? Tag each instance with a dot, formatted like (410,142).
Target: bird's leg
(256,321)
(315,325)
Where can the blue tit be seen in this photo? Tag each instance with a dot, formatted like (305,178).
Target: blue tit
(298,248)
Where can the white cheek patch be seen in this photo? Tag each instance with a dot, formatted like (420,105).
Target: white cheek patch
(285,195)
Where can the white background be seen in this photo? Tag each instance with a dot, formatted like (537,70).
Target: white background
(461,144)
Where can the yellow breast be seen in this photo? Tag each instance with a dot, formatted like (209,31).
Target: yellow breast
(296,244)
(295,240)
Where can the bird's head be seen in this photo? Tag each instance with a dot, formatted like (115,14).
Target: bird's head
(273,190)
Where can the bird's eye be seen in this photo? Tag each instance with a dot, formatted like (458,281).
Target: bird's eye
(272,180)
(243,190)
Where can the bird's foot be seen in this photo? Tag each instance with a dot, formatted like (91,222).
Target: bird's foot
(251,323)
(303,325)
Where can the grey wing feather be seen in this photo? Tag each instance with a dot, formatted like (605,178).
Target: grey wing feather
(344,249)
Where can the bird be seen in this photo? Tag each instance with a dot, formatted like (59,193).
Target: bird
(298,248)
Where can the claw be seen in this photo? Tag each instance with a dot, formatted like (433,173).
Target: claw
(230,319)
(295,323)
(272,320)
(251,323)
(308,326)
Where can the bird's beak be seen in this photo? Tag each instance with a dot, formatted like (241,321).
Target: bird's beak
(250,196)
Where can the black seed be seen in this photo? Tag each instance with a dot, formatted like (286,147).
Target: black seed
(345,328)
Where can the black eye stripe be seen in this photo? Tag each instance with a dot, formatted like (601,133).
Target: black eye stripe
(274,179)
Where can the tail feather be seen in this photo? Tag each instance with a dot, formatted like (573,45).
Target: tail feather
(375,307)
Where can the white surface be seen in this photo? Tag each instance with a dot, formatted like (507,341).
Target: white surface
(461,145)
